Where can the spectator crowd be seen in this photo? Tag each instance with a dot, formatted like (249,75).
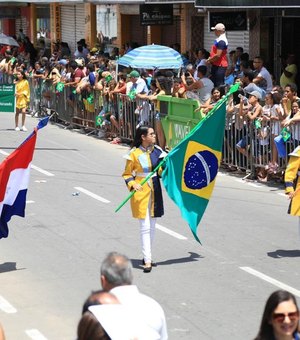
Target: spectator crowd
(115,98)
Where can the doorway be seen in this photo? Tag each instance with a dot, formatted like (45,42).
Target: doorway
(290,41)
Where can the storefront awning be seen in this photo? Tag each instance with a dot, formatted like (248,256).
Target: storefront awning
(247,3)
(40,2)
(113,2)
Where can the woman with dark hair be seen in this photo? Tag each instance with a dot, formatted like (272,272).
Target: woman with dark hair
(147,202)
(280,319)
(22,99)
(216,94)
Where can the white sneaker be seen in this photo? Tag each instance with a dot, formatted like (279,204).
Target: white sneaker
(17,129)
(23,128)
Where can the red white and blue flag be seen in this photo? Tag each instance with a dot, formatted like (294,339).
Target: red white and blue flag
(14,178)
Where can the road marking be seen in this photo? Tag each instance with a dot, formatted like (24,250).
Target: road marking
(282,194)
(255,185)
(35,334)
(6,306)
(47,173)
(271,280)
(91,194)
(249,183)
(29,202)
(170,232)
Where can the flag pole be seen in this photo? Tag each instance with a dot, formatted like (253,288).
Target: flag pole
(233,89)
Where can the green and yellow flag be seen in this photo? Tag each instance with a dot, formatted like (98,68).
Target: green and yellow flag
(192,166)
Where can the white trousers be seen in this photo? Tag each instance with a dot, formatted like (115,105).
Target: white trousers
(147,232)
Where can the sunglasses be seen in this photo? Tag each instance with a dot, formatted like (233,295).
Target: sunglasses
(280,317)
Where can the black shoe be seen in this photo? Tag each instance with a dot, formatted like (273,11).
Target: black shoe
(147,269)
(153,264)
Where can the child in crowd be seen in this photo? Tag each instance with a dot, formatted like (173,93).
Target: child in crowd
(252,112)
(22,99)
(216,94)
(276,115)
(178,89)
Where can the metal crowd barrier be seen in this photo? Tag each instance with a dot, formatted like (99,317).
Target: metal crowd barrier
(258,151)
(83,110)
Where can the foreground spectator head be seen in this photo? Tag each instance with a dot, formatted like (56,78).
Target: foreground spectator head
(99,297)
(2,336)
(89,328)
(116,270)
(280,317)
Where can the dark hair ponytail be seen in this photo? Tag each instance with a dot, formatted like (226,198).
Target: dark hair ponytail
(141,131)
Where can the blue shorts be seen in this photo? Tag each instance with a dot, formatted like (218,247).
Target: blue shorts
(243,142)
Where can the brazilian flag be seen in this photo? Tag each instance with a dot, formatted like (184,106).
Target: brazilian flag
(99,120)
(192,166)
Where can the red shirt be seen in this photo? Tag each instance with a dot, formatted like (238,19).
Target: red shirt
(220,43)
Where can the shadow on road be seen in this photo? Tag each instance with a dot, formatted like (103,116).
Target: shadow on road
(137,263)
(9,267)
(284,253)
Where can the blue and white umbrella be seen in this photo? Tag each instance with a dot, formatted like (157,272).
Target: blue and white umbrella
(152,57)
(6,40)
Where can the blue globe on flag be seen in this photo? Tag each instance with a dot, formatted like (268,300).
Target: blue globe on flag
(200,170)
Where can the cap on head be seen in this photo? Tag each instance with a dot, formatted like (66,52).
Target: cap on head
(134,74)
(255,94)
(79,62)
(218,27)
(63,62)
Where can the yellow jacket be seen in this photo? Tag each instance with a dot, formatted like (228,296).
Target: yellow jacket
(139,164)
(292,181)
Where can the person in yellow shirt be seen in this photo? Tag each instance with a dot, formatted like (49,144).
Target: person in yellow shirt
(22,99)
(147,202)
(289,73)
(292,183)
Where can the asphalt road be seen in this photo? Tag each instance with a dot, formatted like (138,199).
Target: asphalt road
(50,261)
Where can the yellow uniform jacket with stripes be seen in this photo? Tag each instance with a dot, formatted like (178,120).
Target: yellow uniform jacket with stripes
(292,181)
(139,163)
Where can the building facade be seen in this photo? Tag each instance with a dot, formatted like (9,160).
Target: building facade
(270,31)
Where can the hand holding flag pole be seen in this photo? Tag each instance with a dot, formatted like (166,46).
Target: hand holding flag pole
(142,183)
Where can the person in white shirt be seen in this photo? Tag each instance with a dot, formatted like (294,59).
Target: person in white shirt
(116,277)
(263,78)
(202,87)
(138,84)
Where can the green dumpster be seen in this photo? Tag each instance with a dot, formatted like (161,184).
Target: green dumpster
(178,117)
